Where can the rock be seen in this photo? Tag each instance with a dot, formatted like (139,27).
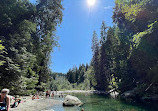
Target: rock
(114,94)
(71,101)
(129,94)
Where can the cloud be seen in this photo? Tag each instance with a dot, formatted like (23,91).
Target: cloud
(108,7)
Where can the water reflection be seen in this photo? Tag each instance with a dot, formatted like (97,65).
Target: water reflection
(101,103)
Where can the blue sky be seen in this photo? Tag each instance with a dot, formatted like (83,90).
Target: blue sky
(75,32)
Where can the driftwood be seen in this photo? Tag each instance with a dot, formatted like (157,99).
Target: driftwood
(148,87)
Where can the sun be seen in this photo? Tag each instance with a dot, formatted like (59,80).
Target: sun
(91,2)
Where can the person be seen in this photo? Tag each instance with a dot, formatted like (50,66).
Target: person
(4,100)
(48,93)
(37,96)
(33,97)
(52,94)
(16,103)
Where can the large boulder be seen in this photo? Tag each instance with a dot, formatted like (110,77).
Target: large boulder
(71,101)
(114,94)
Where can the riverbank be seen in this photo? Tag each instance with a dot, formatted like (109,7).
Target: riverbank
(88,97)
(76,91)
(113,94)
(41,104)
(80,91)
(36,105)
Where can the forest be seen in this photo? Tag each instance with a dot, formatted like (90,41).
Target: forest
(125,56)
(27,34)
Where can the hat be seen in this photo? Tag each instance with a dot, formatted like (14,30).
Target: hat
(5,90)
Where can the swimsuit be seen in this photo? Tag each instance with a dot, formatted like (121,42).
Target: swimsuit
(3,105)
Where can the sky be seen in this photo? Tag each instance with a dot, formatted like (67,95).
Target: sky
(75,32)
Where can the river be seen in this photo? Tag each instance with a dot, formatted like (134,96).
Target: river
(95,102)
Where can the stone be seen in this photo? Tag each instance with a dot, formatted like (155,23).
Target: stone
(71,101)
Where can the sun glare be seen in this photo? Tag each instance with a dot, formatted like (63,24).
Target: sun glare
(91,2)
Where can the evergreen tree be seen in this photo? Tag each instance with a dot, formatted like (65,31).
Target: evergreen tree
(103,59)
(95,59)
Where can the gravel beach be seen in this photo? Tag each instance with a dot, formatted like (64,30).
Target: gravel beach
(42,104)
(36,105)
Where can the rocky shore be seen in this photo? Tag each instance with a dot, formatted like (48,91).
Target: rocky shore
(42,104)
(36,105)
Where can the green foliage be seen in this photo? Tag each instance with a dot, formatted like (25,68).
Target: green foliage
(90,76)
(128,56)
(59,82)
(28,34)
(137,23)
(81,78)
(42,87)
(95,59)
(1,47)
(125,56)
(113,84)
(1,51)
(137,37)
(107,58)
(76,75)
(103,75)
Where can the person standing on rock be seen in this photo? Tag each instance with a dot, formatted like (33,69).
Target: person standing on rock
(4,100)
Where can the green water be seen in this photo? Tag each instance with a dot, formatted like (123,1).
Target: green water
(102,103)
